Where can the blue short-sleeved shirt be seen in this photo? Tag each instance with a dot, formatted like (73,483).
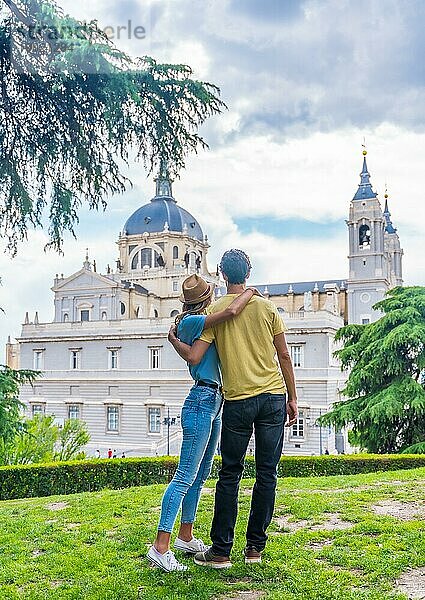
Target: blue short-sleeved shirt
(189,330)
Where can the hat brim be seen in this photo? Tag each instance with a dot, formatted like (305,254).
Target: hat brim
(207,294)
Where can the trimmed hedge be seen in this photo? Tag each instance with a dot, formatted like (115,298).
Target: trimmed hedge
(28,481)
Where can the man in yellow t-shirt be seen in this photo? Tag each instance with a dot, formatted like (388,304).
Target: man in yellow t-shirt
(246,349)
(255,399)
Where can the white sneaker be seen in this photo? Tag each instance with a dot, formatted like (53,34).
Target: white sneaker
(191,547)
(166,561)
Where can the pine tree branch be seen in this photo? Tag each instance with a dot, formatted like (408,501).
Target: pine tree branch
(19,14)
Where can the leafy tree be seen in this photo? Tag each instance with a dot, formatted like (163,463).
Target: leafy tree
(385,391)
(74,108)
(35,443)
(72,437)
(43,441)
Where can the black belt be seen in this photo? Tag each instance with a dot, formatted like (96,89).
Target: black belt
(215,386)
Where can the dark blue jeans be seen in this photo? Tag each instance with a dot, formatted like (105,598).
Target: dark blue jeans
(266,414)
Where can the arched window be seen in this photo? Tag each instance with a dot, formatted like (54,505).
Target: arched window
(104,316)
(364,236)
(135,261)
(192,260)
(65,318)
(174,313)
(122,308)
(146,257)
(155,313)
(175,252)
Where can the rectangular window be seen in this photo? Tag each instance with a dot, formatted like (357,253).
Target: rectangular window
(113,359)
(38,360)
(75,359)
(365,321)
(73,411)
(154,358)
(298,427)
(85,315)
(37,409)
(113,414)
(175,286)
(154,420)
(297,355)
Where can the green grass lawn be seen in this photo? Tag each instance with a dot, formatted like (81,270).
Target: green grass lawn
(326,542)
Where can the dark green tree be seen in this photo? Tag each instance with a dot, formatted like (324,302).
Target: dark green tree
(11,418)
(385,391)
(74,110)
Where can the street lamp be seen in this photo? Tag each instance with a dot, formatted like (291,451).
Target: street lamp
(320,432)
(169,421)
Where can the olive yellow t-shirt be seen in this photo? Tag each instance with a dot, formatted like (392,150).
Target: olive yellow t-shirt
(246,350)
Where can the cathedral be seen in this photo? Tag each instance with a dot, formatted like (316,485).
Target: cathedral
(106,359)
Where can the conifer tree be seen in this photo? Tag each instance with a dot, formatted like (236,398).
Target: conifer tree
(385,391)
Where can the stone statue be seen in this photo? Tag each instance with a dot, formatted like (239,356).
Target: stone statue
(308,301)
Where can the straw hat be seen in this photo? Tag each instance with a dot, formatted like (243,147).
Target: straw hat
(196,290)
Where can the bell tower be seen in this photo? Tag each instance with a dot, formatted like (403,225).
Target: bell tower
(393,248)
(369,270)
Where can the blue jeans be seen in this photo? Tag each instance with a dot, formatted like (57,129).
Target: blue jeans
(201,421)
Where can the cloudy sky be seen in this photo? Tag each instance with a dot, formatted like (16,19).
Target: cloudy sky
(304,82)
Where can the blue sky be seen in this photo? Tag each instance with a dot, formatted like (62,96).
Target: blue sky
(304,82)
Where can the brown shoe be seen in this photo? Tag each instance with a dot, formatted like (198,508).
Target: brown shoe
(209,559)
(252,555)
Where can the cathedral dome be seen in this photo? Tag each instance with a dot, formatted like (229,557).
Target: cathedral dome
(153,216)
(162,212)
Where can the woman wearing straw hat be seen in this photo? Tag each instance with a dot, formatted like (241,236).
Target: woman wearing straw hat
(201,419)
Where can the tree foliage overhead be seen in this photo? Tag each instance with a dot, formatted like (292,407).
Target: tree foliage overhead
(73,107)
(385,390)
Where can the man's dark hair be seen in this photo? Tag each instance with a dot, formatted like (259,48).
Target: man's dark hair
(235,264)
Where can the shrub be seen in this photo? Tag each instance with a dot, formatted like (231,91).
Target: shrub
(25,481)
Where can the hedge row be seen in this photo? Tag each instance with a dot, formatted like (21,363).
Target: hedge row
(27,481)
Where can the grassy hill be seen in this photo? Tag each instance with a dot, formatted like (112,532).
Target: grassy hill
(346,537)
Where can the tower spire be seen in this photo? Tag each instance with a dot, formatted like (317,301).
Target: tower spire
(389,228)
(163,182)
(365,187)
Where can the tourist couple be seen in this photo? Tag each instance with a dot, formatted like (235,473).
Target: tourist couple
(239,335)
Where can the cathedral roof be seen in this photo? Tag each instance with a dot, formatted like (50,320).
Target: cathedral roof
(364,190)
(138,288)
(300,287)
(163,213)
